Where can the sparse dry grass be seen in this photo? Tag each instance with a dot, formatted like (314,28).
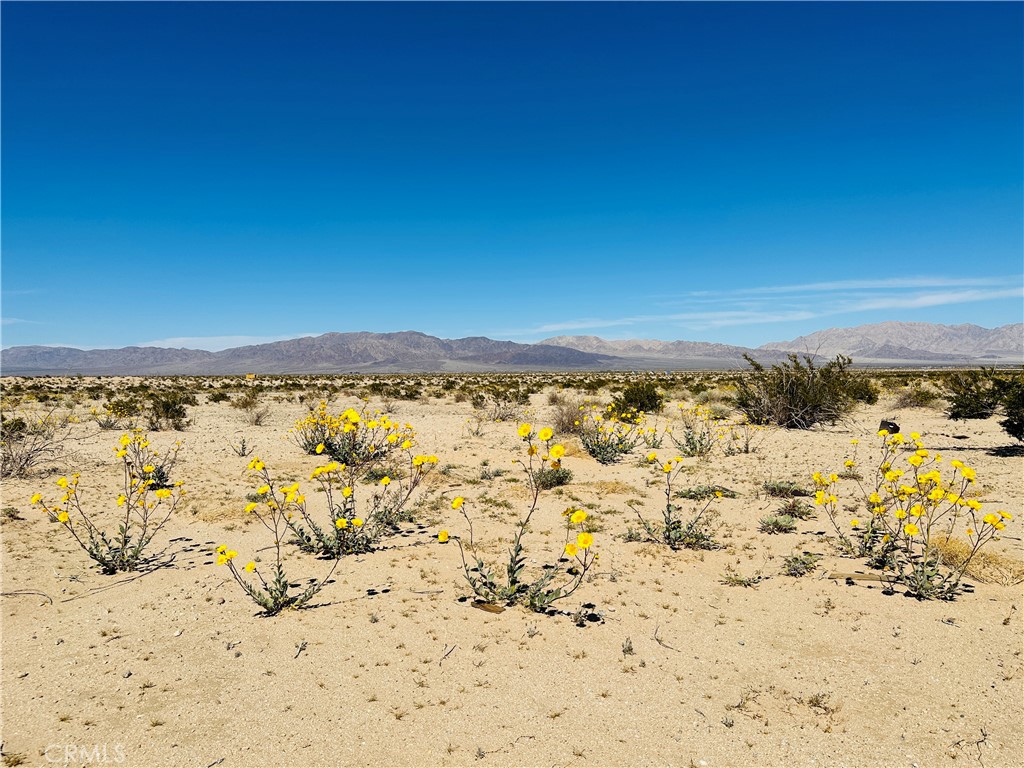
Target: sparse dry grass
(614,486)
(991,567)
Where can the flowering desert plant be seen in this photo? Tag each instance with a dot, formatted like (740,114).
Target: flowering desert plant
(699,431)
(143,508)
(354,438)
(349,531)
(675,529)
(913,507)
(28,440)
(271,589)
(609,436)
(514,587)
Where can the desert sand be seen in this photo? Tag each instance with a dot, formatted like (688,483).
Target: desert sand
(392,665)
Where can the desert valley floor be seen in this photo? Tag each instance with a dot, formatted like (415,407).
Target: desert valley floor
(392,664)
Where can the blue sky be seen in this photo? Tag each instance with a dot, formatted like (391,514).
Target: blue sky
(208,175)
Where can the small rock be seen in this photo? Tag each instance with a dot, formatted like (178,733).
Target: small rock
(127,674)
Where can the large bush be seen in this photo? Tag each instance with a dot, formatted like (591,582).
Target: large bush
(642,396)
(981,394)
(798,394)
(972,394)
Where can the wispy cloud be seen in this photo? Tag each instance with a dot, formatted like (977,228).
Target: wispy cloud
(17,321)
(218,343)
(792,303)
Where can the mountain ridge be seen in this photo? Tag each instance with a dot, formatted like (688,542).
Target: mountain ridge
(416,352)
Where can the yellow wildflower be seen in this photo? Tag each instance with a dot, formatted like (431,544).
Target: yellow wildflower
(442,537)
(457,502)
(525,430)
(557,452)
(357,522)
(578,517)
(571,549)
(250,566)
(584,540)
(545,434)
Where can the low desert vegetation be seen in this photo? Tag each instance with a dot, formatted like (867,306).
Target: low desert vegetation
(921,522)
(118,535)
(555,581)
(913,503)
(800,394)
(984,393)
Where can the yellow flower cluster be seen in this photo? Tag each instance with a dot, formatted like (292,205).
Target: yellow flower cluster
(353,436)
(225,555)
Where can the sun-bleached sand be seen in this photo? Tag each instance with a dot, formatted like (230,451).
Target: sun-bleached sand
(391,666)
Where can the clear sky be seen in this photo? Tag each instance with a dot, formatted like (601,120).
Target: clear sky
(208,175)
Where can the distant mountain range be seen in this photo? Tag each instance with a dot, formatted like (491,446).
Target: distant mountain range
(914,342)
(410,351)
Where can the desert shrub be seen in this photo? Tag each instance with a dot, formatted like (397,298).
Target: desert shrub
(640,396)
(608,436)
(499,403)
(141,511)
(272,590)
(704,492)
(1013,409)
(251,404)
(913,504)
(800,565)
(356,439)
(784,489)
(567,416)
(797,509)
(119,413)
(556,581)
(676,529)
(219,396)
(741,437)
(980,394)
(971,394)
(167,410)
(797,394)
(348,530)
(862,389)
(716,396)
(916,396)
(698,432)
(151,466)
(28,441)
(776,524)
(552,477)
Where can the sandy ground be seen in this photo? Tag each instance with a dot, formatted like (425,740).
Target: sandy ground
(174,667)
